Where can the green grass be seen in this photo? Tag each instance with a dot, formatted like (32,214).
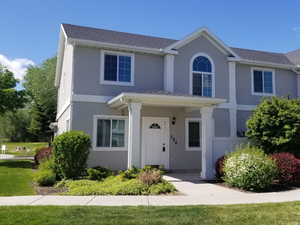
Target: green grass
(275,214)
(30,146)
(16,178)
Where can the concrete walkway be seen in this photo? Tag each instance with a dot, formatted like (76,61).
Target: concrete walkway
(194,192)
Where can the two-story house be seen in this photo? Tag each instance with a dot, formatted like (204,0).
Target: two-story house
(155,101)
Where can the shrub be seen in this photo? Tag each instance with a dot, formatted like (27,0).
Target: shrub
(219,167)
(249,168)
(71,151)
(150,177)
(275,125)
(130,173)
(42,154)
(114,185)
(288,167)
(45,176)
(163,187)
(98,173)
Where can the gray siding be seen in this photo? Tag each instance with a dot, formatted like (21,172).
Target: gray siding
(241,118)
(285,84)
(148,74)
(182,67)
(83,120)
(222,122)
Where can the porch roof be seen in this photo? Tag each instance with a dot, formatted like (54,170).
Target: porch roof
(163,99)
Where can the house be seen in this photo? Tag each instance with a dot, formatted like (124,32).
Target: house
(147,100)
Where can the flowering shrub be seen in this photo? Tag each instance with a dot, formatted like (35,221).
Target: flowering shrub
(249,168)
(288,167)
(219,167)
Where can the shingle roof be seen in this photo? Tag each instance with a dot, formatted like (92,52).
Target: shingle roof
(256,55)
(115,37)
(137,40)
(294,56)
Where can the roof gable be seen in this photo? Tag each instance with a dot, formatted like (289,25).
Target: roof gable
(208,35)
(294,56)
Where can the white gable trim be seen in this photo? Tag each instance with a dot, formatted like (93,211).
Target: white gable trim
(208,35)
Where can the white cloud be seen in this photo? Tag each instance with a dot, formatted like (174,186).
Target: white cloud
(18,66)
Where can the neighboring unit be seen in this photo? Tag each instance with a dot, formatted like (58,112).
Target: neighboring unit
(179,104)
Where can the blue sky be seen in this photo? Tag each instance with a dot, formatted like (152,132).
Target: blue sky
(29,29)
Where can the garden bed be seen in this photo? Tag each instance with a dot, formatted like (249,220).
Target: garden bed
(115,185)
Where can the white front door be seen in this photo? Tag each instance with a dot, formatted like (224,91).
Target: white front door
(155,141)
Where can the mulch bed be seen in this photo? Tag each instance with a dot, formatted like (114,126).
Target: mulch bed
(48,190)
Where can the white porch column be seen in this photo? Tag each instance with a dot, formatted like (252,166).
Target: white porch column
(232,98)
(134,135)
(169,73)
(207,142)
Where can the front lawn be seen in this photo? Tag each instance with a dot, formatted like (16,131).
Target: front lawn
(275,214)
(27,148)
(16,177)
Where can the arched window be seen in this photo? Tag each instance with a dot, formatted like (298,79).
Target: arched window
(202,76)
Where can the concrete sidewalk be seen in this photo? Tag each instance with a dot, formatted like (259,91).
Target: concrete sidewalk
(194,192)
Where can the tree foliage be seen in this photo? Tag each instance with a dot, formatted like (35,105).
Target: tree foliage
(275,125)
(39,84)
(14,125)
(10,98)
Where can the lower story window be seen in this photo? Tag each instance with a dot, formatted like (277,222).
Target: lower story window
(110,132)
(193,133)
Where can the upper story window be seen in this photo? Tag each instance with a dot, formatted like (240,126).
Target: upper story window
(117,68)
(202,73)
(262,81)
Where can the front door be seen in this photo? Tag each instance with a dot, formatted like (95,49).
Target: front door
(155,141)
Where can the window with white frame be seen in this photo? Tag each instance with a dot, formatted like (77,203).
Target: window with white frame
(202,76)
(110,132)
(117,68)
(262,81)
(193,134)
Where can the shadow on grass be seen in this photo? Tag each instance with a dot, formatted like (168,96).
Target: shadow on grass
(26,164)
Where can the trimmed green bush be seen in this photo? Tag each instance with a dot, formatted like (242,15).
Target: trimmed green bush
(275,125)
(249,168)
(45,176)
(130,173)
(98,173)
(71,150)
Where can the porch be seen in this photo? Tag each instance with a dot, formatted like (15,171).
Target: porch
(149,138)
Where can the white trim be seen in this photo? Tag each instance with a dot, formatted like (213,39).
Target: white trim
(163,100)
(187,120)
(167,119)
(273,81)
(197,34)
(246,107)
(111,117)
(64,108)
(169,73)
(90,98)
(119,83)
(212,73)
(120,47)
(262,63)
(232,82)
